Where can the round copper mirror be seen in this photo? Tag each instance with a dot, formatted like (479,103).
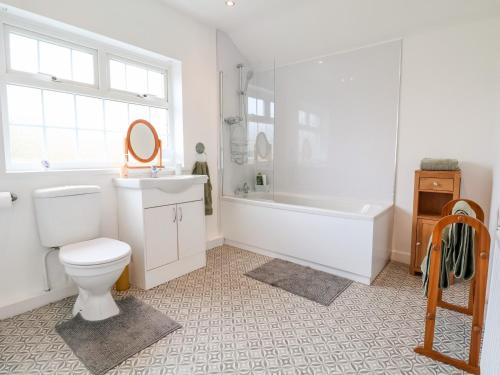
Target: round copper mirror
(142,141)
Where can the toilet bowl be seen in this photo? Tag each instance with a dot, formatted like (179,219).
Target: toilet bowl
(68,219)
(95,266)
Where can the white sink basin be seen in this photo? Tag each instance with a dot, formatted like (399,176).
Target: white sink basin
(168,184)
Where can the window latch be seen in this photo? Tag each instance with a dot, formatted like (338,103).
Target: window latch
(142,95)
(55,79)
(45,164)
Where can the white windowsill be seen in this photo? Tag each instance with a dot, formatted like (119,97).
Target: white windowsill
(95,171)
(79,172)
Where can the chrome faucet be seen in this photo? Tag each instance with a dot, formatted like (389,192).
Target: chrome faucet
(154,171)
(244,189)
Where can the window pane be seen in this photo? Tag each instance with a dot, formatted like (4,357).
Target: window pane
(115,145)
(252,106)
(116,114)
(137,79)
(83,67)
(137,112)
(260,107)
(155,84)
(302,118)
(61,145)
(55,60)
(59,109)
(26,144)
(89,113)
(159,119)
(24,105)
(117,75)
(91,145)
(23,53)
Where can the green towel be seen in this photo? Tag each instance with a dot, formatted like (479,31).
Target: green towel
(201,168)
(457,249)
(429,164)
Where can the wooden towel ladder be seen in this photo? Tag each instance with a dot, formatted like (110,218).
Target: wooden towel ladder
(477,292)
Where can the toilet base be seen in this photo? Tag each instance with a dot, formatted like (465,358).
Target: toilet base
(95,307)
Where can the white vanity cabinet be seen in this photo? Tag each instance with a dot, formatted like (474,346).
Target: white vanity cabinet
(163,220)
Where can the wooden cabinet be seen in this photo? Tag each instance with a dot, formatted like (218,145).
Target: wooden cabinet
(424,233)
(433,189)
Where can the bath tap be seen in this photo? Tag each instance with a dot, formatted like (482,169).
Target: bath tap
(154,171)
(245,189)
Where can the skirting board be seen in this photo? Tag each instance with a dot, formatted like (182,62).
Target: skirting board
(269,253)
(37,301)
(58,294)
(400,257)
(215,242)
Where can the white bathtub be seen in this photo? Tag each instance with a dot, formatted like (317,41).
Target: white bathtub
(348,238)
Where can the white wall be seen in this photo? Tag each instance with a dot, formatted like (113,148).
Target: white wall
(447,110)
(336,125)
(147,24)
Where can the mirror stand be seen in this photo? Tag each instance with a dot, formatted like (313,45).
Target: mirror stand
(146,136)
(125,167)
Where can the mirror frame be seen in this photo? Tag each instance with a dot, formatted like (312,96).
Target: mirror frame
(129,143)
(130,151)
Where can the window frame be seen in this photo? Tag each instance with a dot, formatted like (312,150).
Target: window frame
(8,29)
(149,67)
(105,50)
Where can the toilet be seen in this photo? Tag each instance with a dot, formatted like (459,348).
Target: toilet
(68,218)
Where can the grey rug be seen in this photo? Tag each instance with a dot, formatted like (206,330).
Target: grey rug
(105,344)
(317,286)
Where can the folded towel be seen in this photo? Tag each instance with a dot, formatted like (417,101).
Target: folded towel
(201,168)
(429,164)
(457,249)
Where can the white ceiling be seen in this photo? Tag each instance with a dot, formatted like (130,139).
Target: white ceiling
(290,30)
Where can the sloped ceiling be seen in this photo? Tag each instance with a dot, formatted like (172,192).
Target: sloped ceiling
(291,30)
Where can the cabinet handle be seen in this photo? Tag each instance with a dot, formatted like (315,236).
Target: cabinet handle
(419,243)
(180,211)
(174,210)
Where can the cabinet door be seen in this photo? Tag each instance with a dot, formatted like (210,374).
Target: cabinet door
(191,228)
(160,227)
(424,233)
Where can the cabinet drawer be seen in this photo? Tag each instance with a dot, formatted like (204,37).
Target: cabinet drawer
(437,184)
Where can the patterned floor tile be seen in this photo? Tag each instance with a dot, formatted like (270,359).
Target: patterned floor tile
(233,324)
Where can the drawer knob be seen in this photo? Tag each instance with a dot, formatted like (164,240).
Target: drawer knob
(435,183)
(419,243)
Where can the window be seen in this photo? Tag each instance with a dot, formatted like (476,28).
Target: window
(33,53)
(136,79)
(69,100)
(63,127)
(260,112)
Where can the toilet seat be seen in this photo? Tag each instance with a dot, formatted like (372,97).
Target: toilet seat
(95,252)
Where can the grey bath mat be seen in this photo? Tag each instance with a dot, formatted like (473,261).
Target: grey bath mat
(317,286)
(105,344)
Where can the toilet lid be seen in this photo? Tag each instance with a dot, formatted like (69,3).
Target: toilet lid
(94,252)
